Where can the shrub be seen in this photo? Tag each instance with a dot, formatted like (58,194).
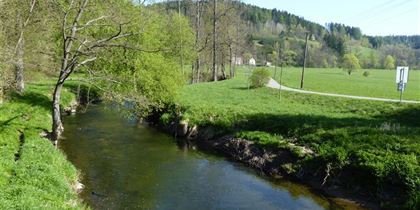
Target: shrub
(366,74)
(259,78)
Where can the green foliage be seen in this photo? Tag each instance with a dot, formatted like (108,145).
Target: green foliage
(389,62)
(366,73)
(152,75)
(350,63)
(259,77)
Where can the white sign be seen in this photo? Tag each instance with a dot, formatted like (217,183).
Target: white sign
(402,74)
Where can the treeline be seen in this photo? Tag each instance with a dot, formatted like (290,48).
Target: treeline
(410,41)
(327,44)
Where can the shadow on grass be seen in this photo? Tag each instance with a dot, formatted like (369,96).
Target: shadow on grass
(33,99)
(242,88)
(408,116)
(290,124)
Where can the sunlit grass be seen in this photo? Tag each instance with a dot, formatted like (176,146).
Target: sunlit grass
(33,173)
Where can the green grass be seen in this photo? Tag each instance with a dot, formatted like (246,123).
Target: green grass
(378,141)
(41,177)
(379,84)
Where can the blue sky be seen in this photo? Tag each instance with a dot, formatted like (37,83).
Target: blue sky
(374,17)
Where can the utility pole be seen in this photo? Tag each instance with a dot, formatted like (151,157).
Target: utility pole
(304,60)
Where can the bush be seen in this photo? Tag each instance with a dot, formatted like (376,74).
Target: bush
(259,78)
(366,74)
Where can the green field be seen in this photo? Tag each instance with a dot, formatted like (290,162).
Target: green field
(33,173)
(379,141)
(379,84)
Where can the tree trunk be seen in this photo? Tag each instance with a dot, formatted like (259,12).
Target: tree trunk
(197,66)
(197,38)
(214,70)
(231,73)
(57,127)
(222,69)
(19,66)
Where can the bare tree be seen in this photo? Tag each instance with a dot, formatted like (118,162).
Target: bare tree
(78,51)
(20,47)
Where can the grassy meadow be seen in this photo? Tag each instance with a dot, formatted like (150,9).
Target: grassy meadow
(378,141)
(379,83)
(33,173)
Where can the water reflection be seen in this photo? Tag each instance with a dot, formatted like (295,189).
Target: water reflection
(126,166)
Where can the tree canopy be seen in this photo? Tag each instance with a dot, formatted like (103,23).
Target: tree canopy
(350,63)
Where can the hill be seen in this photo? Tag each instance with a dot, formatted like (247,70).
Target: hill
(327,44)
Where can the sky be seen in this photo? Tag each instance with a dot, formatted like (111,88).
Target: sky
(374,17)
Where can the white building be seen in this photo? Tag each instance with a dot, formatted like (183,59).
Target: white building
(268,64)
(237,61)
(252,62)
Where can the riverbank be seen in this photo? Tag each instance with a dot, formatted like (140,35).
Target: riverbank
(364,151)
(33,173)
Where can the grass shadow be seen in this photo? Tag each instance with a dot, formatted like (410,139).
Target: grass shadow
(409,116)
(33,99)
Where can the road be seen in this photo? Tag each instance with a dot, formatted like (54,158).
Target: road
(274,84)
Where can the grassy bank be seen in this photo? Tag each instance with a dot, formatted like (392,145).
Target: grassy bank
(373,146)
(379,83)
(33,173)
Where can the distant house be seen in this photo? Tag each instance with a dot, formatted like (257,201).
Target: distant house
(237,61)
(252,62)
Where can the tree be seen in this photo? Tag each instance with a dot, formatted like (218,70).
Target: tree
(214,49)
(350,63)
(373,60)
(17,15)
(389,62)
(79,47)
(143,66)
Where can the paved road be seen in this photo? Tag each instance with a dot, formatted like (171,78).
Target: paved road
(274,84)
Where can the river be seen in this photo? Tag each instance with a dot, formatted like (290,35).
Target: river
(124,165)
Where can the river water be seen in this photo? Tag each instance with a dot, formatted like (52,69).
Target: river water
(128,166)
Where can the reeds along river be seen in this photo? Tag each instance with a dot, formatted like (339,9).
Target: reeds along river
(127,166)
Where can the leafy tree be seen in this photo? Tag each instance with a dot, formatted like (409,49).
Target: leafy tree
(143,67)
(389,62)
(350,63)
(373,60)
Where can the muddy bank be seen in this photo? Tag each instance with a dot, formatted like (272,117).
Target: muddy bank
(280,163)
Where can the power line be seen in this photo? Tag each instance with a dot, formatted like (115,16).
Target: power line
(394,9)
(384,8)
(368,10)
(393,16)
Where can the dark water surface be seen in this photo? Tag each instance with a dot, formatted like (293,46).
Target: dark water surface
(127,166)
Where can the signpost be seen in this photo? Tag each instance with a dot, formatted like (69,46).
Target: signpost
(401,79)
